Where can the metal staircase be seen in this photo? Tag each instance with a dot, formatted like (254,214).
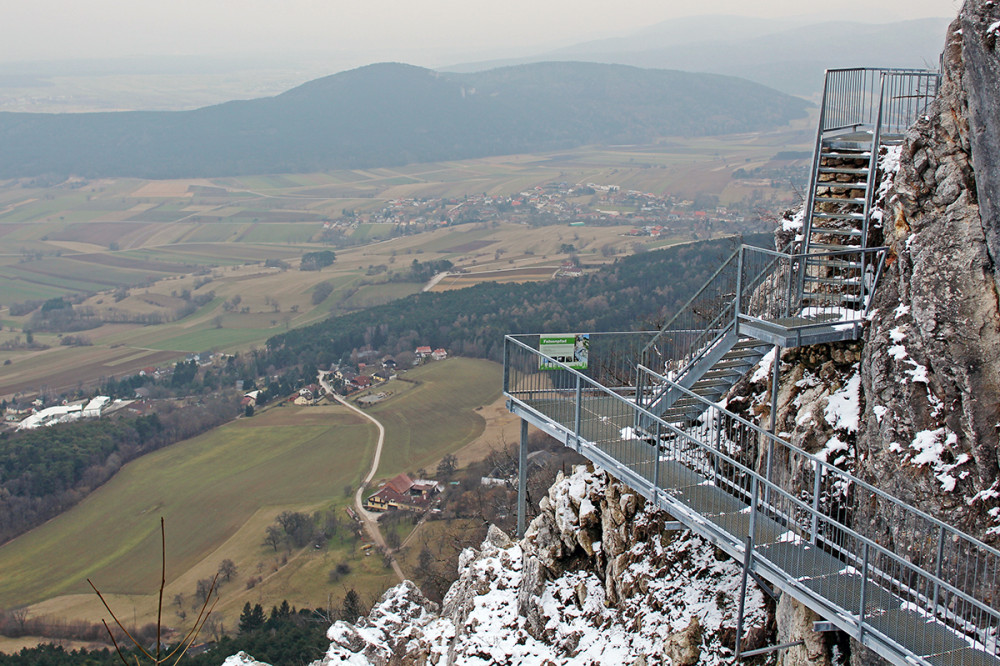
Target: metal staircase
(864,111)
(743,310)
(799,525)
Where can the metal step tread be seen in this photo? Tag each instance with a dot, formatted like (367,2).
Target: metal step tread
(824,297)
(734,363)
(752,344)
(854,281)
(835,263)
(835,144)
(841,169)
(839,216)
(688,401)
(840,200)
(832,247)
(851,155)
(706,383)
(838,185)
(685,411)
(834,231)
(721,373)
(746,352)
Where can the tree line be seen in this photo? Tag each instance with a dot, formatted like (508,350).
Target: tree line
(43,472)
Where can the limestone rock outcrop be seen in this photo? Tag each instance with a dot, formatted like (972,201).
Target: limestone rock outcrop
(596,579)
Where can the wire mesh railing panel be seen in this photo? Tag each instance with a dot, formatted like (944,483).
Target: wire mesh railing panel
(865,97)
(850,98)
(767,284)
(702,319)
(824,287)
(906,95)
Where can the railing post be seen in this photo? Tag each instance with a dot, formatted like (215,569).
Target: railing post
(775,372)
(864,589)
(522,479)
(656,468)
(813,174)
(506,364)
(579,412)
(937,570)
(817,481)
(737,304)
(788,288)
(747,561)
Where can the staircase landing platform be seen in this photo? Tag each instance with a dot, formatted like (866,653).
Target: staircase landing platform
(799,331)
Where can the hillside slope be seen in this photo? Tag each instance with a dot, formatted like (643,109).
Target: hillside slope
(392,114)
(788,54)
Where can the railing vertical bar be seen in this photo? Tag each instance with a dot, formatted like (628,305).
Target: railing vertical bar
(937,569)
(578,412)
(656,466)
(864,589)
(739,289)
(817,479)
(506,365)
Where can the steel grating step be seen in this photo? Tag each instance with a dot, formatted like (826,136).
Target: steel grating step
(839,216)
(852,281)
(965,656)
(923,635)
(843,186)
(841,169)
(834,231)
(710,383)
(836,263)
(852,155)
(832,247)
(732,363)
(838,200)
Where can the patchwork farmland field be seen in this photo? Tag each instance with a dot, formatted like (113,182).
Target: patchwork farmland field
(131,246)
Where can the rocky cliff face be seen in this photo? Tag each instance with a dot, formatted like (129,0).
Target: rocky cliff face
(930,374)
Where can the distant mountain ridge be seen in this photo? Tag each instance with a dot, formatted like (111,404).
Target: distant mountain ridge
(391,114)
(789,55)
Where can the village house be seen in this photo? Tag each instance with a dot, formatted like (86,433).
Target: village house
(439,354)
(423,351)
(403,493)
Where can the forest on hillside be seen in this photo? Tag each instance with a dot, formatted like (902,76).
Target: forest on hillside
(391,114)
(634,293)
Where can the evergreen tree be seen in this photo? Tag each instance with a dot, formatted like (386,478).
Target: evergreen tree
(352,608)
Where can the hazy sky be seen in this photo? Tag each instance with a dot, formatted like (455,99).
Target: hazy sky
(418,31)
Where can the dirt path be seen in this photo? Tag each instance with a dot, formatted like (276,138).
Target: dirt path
(367,518)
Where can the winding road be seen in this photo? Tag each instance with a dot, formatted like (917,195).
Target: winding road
(367,518)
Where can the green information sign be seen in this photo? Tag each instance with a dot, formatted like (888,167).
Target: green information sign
(568,349)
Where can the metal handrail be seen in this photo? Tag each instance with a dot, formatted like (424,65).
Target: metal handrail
(909,587)
(853,97)
(723,315)
(693,300)
(827,466)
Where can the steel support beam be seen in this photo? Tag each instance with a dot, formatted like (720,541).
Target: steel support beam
(522,480)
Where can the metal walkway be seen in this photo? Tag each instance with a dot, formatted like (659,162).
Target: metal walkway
(805,527)
(647,410)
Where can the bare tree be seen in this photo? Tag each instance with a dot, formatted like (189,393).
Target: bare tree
(204,589)
(273,536)
(227,569)
(20,617)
